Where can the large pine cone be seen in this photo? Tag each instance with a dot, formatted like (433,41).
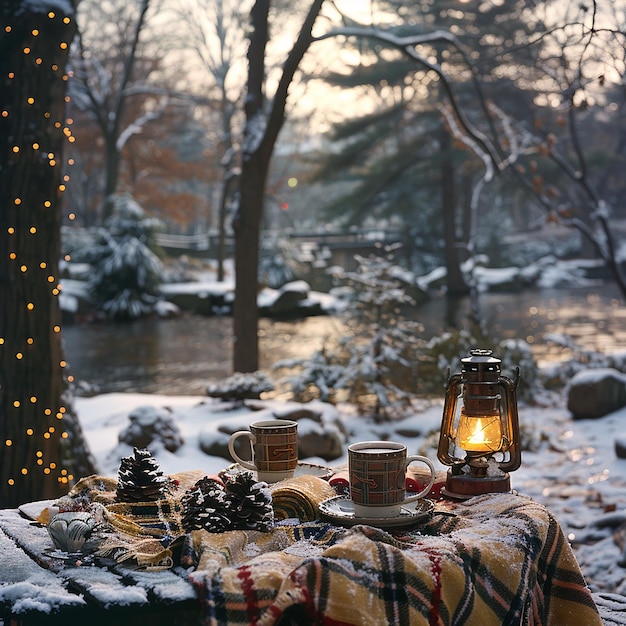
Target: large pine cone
(250,503)
(140,478)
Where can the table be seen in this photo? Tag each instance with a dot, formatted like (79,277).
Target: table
(493,560)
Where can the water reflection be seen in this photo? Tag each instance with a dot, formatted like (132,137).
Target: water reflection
(179,356)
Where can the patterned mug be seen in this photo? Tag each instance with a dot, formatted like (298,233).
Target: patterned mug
(377,475)
(274,447)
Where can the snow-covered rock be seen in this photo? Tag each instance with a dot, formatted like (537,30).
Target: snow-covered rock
(594,393)
(151,425)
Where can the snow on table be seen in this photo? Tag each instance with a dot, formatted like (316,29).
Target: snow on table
(37,580)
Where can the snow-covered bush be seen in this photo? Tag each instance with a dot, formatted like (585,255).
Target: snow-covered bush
(385,362)
(126,271)
(374,366)
(240,387)
(314,378)
(152,427)
(277,264)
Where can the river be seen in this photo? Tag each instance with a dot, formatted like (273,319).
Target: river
(179,356)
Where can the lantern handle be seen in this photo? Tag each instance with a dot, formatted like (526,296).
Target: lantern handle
(515,451)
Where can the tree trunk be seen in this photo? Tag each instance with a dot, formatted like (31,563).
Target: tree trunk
(455,281)
(260,137)
(36,422)
(246,227)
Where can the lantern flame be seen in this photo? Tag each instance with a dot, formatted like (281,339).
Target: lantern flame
(479,434)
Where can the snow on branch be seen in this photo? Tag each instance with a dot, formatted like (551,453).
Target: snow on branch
(136,127)
(407,45)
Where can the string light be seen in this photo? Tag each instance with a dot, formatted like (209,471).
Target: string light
(30,402)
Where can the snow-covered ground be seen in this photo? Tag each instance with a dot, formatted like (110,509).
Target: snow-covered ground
(569,466)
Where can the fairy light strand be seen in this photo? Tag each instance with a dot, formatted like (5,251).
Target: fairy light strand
(26,270)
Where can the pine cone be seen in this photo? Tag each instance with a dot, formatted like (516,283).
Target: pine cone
(250,503)
(140,478)
(243,504)
(204,507)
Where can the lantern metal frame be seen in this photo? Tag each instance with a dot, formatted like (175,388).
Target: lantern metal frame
(486,394)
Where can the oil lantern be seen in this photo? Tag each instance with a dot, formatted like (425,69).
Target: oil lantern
(479,436)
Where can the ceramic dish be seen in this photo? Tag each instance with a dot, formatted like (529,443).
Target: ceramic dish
(341,510)
(302,469)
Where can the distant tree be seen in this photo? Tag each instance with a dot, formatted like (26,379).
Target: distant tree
(215,36)
(104,86)
(135,129)
(42,447)
(400,162)
(544,143)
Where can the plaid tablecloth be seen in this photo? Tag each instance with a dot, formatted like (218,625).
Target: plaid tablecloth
(494,560)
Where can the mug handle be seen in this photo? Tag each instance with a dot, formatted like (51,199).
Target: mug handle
(231,448)
(431,482)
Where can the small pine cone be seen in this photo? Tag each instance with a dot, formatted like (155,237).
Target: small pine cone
(204,507)
(140,478)
(250,503)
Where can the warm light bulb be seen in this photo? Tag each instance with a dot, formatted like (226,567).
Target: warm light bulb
(479,434)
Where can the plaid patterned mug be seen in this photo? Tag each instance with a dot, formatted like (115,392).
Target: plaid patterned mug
(377,475)
(274,448)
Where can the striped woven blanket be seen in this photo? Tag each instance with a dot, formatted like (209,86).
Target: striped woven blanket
(495,560)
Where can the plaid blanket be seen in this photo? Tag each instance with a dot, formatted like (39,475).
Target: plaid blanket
(495,560)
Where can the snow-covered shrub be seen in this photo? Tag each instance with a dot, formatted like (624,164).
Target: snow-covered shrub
(76,243)
(276,263)
(373,367)
(314,378)
(126,271)
(240,387)
(152,427)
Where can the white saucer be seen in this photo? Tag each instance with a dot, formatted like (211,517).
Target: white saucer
(340,509)
(302,469)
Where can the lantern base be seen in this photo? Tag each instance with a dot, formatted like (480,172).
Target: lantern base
(464,486)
